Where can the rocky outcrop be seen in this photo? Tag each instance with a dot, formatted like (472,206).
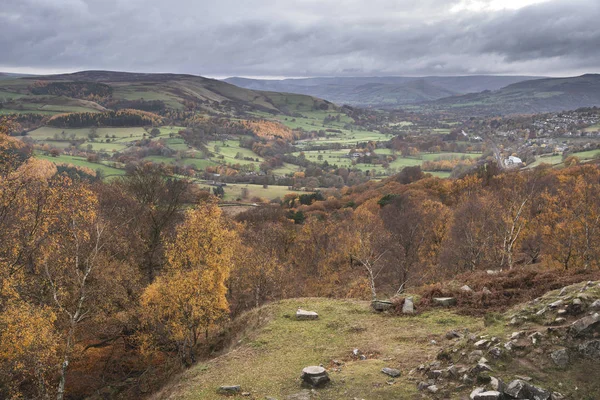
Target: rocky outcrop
(586,325)
(394,373)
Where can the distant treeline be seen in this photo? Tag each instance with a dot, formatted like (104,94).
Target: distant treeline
(78,90)
(144,105)
(108,118)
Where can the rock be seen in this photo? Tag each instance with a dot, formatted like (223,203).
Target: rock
(541,312)
(433,389)
(555,304)
(356,352)
(475,392)
(590,349)
(315,376)
(451,372)
(516,335)
(229,390)
(444,301)
(381,305)
(493,271)
(303,315)
(480,367)
(595,306)
(409,306)
(519,389)
(483,360)
(497,384)
(489,395)
(562,291)
(560,320)
(303,395)
(496,352)
(475,355)
(560,357)
(482,343)
(585,325)
(486,291)
(466,289)
(557,396)
(434,374)
(452,335)
(394,373)
(535,337)
(562,311)
(422,385)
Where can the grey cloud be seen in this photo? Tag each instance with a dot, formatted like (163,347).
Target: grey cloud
(300,38)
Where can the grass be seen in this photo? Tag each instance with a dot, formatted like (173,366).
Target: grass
(82,162)
(558,159)
(269,360)
(233,191)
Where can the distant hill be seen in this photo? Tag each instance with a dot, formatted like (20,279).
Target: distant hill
(75,92)
(381,91)
(528,97)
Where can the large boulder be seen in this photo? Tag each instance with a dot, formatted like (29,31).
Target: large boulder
(444,301)
(302,315)
(315,376)
(585,325)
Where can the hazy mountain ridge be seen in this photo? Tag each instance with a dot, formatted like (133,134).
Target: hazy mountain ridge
(381,91)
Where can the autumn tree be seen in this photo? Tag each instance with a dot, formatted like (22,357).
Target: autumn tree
(190,296)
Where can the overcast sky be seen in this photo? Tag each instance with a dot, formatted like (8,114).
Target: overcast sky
(294,38)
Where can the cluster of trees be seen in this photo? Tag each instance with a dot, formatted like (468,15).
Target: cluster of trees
(79,90)
(155,106)
(126,117)
(105,281)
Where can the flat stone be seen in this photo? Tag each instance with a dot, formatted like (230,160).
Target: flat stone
(475,392)
(394,373)
(381,305)
(303,315)
(303,395)
(560,357)
(445,301)
(489,395)
(228,390)
(556,304)
(482,343)
(466,288)
(409,306)
(315,376)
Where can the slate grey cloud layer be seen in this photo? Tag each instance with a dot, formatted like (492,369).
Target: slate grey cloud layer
(300,38)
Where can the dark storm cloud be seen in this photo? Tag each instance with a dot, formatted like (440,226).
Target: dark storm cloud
(302,38)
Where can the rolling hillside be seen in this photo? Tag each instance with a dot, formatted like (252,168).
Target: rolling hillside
(96,90)
(528,97)
(381,91)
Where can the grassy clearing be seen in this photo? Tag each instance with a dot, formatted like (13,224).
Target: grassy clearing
(82,162)
(269,360)
(233,191)
(558,159)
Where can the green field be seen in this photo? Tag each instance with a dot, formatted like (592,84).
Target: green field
(558,159)
(233,191)
(82,162)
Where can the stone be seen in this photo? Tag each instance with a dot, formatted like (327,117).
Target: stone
(496,352)
(489,395)
(560,357)
(452,335)
(302,315)
(433,389)
(466,289)
(409,306)
(475,392)
(482,343)
(303,395)
(517,335)
(394,373)
(486,291)
(562,311)
(560,320)
(444,301)
(519,389)
(475,355)
(493,271)
(555,304)
(595,306)
(497,384)
(229,390)
(451,372)
(422,385)
(585,325)
(381,305)
(590,349)
(541,312)
(434,374)
(315,376)
(479,368)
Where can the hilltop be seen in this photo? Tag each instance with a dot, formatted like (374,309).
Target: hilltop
(354,343)
(528,97)
(96,90)
(381,91)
